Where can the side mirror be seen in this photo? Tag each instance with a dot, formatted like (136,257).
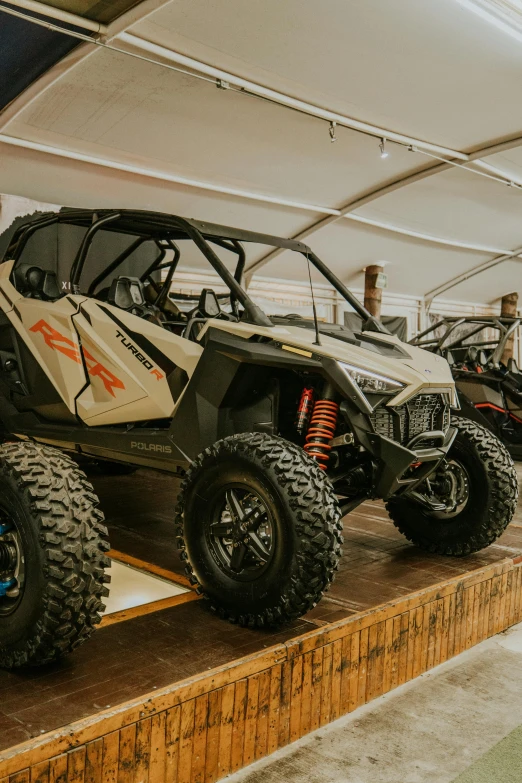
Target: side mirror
(208,303)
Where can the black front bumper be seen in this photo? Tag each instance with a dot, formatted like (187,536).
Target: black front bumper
(392,460)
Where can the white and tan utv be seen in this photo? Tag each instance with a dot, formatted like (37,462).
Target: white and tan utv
(277,427)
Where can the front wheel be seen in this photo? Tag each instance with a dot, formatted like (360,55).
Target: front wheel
(259,529)
(468,502)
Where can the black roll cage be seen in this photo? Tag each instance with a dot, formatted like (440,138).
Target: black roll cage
(505,324)
(164,230)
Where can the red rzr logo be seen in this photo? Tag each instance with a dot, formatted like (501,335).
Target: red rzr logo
(59,342)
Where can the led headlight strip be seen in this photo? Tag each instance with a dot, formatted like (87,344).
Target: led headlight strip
(371,382)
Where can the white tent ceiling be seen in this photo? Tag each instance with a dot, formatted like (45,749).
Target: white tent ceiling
(103,128)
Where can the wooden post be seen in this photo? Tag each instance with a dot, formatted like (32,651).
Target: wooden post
(508,308)
(372,295)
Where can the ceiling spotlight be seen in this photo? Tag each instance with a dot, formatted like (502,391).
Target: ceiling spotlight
(333,137)
(382,147)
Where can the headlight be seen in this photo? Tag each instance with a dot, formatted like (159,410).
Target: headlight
(369,382)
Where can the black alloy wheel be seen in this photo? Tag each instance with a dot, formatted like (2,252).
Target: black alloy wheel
(242,535)
(449,486)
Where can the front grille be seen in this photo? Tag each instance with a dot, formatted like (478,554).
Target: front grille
(423,413)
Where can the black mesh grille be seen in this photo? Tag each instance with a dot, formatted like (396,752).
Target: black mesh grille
(383,421)
(423,413)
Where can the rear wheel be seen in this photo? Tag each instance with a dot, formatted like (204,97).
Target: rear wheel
(468,502)
(258,526)
(52,555)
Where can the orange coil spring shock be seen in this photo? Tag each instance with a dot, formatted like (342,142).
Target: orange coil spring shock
(321,431)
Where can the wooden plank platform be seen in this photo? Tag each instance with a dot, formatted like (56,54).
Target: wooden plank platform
(178,695)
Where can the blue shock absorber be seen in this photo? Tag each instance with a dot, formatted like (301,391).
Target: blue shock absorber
(5,586)
(5,527)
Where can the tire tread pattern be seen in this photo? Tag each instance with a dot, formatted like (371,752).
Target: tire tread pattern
(317,518)
(64,510)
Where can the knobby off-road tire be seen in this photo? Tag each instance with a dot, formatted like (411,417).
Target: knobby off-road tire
(493,494)
(53,509)
(304,519)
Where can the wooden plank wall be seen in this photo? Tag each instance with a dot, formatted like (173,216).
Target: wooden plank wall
(202,729)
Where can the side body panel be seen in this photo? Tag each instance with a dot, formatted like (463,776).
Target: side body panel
(133,380)
(107,365)
(48,331)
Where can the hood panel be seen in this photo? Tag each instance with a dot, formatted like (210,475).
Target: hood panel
(418,369)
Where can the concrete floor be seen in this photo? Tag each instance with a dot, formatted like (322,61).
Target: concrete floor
(428,731)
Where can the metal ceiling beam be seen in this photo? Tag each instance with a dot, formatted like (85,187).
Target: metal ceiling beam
(477,270)
(36,146)
(351,206)
(222,189)
(453,243)
(373,195)
(254,88)
(63,16)
(244,85)
(128,18)
(161,175)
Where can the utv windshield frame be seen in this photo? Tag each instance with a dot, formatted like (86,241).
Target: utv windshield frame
(164,230)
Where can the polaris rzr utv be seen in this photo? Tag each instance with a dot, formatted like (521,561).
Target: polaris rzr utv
(489,389)
(277,426)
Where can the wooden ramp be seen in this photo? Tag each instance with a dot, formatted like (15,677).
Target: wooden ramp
(173,694)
